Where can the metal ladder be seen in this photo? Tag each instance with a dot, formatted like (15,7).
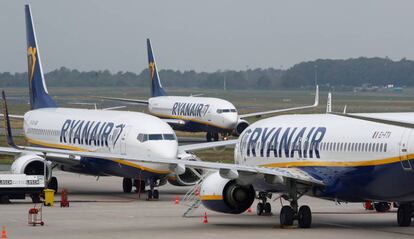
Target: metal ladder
(191,200)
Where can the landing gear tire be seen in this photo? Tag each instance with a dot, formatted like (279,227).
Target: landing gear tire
(259,208)
(208,137)
(149,195)
(127,185)
(267,208)
(287,216)
(216,137)
(155,194)
(382,206)
(139,185)
(304,217)
(53,184)
(404,215)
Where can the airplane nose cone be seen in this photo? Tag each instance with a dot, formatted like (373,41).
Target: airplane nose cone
(230,121)
(167,150)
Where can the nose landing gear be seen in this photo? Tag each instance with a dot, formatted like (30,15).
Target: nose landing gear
(152,194)
(212,136)
(263,207)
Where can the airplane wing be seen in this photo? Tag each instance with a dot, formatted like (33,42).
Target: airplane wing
(234,170)
(141,102)
(174,121)
(259,114)
(377,120)
(202,146)
(14,116)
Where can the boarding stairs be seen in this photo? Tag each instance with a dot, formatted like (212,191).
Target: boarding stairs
(192,199)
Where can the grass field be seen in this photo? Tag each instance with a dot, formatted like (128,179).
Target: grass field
(245,101)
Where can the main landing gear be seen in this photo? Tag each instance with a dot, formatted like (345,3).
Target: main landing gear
(212,137)
(405,214)
(288,214)
(128,183)
(264,207)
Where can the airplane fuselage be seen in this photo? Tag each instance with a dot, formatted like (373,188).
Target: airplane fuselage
(356,159)
(105,131)
(200,114)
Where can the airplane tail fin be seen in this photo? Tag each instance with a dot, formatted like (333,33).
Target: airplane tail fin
(39,96)
(156,87)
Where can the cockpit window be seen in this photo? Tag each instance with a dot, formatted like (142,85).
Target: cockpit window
(225,110)
(142,137)
(169,136)
(145,137)
(155,136)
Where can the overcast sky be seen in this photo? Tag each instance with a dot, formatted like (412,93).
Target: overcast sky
(204,35)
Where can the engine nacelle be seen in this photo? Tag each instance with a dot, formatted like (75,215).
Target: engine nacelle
(225,195)
(190,176)
(240,127)
(31,164)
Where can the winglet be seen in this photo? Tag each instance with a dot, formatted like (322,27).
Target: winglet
(156,87)
(6,119)
(329,103)
(316,96)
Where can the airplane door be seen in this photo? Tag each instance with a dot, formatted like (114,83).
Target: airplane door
(123,142)
(405,163)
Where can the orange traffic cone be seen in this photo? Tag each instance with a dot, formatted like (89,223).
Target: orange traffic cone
(249,210)
(177,200)
(3,232)
(205,220)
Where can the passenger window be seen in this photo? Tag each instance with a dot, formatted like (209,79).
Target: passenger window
(385,147)
(380,149)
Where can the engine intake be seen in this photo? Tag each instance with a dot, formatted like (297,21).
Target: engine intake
(240,127)
(227,196)
(31,164)
(190,176)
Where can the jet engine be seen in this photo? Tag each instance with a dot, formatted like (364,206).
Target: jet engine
(190,176)
(31,164)
(240,127)
(225,195)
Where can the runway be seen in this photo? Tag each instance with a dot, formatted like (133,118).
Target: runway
(99,209)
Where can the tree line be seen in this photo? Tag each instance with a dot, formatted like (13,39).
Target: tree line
(329,73)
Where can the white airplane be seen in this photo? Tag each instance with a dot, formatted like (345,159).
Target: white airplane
(197,114)
(340,157)
(103,131)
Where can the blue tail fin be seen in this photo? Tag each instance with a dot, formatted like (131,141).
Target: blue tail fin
(156,87)
(39,97)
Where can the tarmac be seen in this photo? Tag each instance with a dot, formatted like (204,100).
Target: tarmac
(99,209)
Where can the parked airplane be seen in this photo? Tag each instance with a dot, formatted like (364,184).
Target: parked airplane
(334,156)
(117,132)
(197,114)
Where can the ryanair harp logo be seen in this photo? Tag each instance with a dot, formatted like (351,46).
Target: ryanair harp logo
(31,58)
(152,69)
